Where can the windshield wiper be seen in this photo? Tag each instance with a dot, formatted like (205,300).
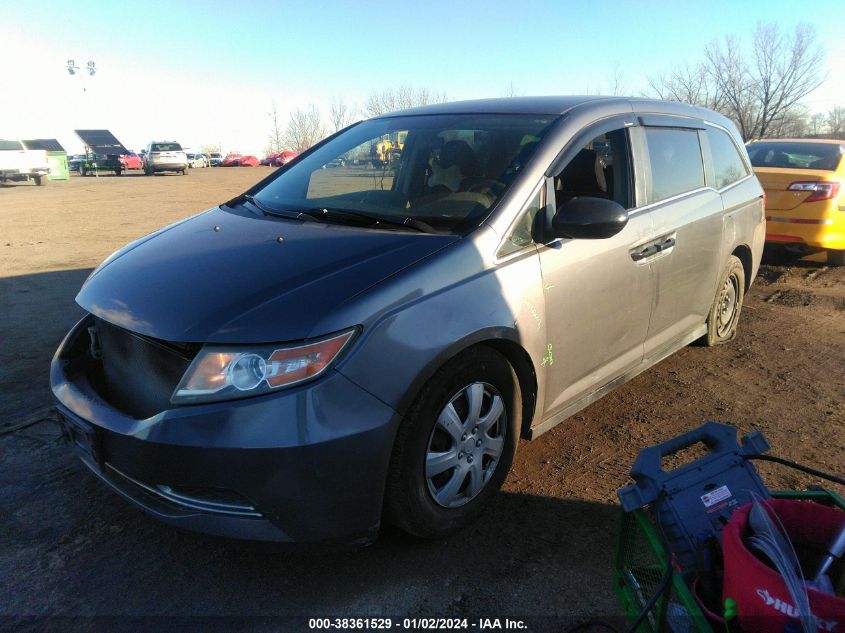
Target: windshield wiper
(267,210)
(370,219)
(278,213)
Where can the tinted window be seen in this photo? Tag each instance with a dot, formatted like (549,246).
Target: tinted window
(728,166)
(601,169)
(792,155)
(675,157)
(166,147)
(10,145)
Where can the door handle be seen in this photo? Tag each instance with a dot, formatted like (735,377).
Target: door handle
(646,252)
(666,245)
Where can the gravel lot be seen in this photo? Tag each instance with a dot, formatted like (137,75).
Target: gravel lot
(71,549)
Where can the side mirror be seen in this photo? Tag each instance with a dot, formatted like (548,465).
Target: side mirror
(588,218)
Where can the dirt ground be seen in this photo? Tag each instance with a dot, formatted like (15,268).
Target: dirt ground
(71,549)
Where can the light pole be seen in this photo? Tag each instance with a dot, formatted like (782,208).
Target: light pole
(73,69)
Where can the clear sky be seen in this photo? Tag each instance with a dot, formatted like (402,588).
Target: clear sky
(209,71)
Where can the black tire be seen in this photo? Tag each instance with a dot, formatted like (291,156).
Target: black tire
(184,172)
(83,171)
(40,181)
(409,501)
(724,314)
(835,258)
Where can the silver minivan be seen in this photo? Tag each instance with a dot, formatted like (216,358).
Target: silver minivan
(335,347)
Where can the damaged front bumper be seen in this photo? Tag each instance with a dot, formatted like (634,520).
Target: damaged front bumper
(305,464)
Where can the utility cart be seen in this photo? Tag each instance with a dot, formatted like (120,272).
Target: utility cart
(102,153)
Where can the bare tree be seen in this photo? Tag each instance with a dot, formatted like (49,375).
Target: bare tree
(688,84)
(276,140)
(511,91)
(760,91)
(617,81)
(304,129)
(836,122)
(340,114)
(401,98)
(817,122)
(795,123)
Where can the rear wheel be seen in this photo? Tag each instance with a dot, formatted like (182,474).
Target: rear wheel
(724,313)
(455,447)
(40,180)
(835,258)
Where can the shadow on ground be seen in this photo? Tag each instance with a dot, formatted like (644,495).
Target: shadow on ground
(70,547)
(36,312)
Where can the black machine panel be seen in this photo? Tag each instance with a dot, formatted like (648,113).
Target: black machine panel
(48,144)
(102,141)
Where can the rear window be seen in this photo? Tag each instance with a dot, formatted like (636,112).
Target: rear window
(726,161)
(166,147)
(792,155)
(676,165)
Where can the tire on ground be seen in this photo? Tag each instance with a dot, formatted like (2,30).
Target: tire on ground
(723,319)
(409,503)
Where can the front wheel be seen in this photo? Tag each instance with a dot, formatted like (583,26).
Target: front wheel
(40,180)
(455,447)
(724,313)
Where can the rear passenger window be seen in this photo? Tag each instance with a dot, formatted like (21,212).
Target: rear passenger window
(676,166)
(727,164)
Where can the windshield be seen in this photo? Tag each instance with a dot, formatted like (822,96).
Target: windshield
(796,155)
(166,147)
(446,171)
(10,145)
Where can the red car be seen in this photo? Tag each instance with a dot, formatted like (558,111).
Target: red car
(232,160)
(131,161)
(249,161)
(271,159)
(285,157)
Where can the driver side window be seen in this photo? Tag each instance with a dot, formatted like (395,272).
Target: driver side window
(601,169)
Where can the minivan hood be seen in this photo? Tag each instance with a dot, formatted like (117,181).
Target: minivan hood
(227,276)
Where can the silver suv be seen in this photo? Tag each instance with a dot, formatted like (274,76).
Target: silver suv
(165,156)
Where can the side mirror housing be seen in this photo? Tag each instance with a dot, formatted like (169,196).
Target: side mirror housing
(587,218)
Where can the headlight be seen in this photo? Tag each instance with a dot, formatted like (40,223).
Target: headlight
(226,372)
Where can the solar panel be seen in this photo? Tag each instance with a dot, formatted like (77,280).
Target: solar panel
(102,140)
(48,144)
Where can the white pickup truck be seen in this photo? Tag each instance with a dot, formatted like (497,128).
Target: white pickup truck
(17,163)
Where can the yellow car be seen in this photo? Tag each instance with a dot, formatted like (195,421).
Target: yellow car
(805,201)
